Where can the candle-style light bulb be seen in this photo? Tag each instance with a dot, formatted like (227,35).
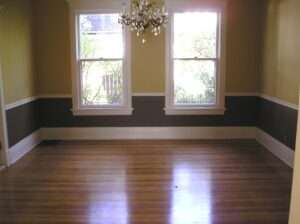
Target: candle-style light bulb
(144,17)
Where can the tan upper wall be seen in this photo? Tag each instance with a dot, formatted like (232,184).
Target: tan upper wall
(16,55)
(281,59)
(243,45)
(148,61)
(52,47)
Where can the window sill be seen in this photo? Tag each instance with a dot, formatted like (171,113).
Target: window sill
(103,112)
(195,111)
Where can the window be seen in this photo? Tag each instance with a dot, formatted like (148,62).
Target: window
(101,65)
(195,77)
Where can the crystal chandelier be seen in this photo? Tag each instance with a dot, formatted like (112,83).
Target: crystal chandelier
(144,16)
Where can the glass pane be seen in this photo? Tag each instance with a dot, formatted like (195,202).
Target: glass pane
(100,36)
(195,35)
(194,82)
(101,83)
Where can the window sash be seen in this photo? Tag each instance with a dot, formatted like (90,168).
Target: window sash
(103,7)
(196,59)
(97,12)
(217,49)
(100,59)
(101,106)
(194,105)
(217,60)
(221,9)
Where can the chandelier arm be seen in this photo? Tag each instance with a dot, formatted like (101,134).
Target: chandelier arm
(145,15)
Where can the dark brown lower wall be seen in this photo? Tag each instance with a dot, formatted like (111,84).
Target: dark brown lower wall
(278,121)
(22,121)
(148,112)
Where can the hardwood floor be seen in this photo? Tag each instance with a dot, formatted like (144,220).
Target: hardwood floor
(139,182)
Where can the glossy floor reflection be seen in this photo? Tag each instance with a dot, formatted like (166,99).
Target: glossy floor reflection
(191,197)
(111,204)
(146,182)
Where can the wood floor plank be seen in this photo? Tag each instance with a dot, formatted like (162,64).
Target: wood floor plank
(140,182)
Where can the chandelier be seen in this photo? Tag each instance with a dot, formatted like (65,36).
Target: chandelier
(144,16)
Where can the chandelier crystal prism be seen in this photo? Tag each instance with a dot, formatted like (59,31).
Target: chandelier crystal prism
(145,15)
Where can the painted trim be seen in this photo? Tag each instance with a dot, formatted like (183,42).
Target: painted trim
(3,125)
(108,133)
(281,151)
(279,101)
(63,96)
(148,94)
(20,102)
(294,217)
(242,94)
(55,96)
(83,7)
(278,149)
(31,99)
(185,111)
(119,111)
(220,60)
(23,147)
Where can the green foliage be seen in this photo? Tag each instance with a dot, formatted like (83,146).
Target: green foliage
(108,87)
(101,94)
(195,73)
(202,45)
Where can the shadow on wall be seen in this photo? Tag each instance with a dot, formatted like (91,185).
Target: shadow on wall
(281,46)
(270,49)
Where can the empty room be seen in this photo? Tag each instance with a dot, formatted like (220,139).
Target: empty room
(149,111)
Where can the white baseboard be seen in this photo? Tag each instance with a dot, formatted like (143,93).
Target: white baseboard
(23,147)
(281,151)
(107,133)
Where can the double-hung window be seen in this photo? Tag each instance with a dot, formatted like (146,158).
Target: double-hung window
(195,74)
(101,64)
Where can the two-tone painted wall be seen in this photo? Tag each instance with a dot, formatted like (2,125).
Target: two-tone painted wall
(51,50)
(280,75)
(280,70)
(255,46)
(18,66)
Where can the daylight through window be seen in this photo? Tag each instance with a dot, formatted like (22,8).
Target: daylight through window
(101,59)
(195,58)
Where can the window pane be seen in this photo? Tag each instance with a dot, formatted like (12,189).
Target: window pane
(194,82)
(195,35)
(100,36)
(101,83)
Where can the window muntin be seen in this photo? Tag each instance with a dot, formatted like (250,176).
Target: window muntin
(195,59)
(195,34)
(194,82)
(101,83)
(101,60)
(101,36)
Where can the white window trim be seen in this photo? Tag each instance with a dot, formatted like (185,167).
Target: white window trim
(219,108)
(78,110)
